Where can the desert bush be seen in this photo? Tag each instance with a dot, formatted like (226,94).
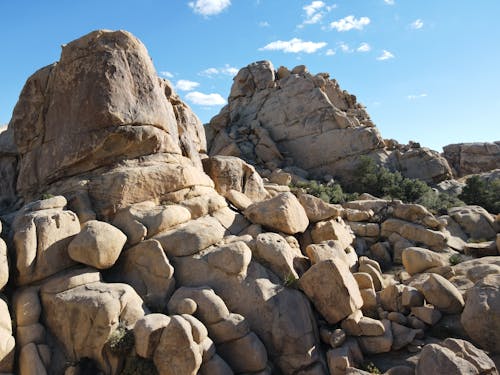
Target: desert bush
(135,365)
(330,193)
(121,341)
(486,194)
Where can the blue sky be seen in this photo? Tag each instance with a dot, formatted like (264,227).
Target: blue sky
(427,71)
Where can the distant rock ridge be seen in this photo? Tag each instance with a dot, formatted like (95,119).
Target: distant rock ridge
(278,118)
(472,158)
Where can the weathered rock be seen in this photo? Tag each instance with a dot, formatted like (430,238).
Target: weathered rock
(246,354)
(417,260)
(481,249)
(282,213)
(215,366)
(376,275)
(98,244)
(481,315)
(436,356)
(273,251)
(414,232)
(472,158)
(391,298)
(426,314)
(177,352)
(191,237)
(235,326)
(317,209)
(96,310)
(469,352)
(127,116)
(232,258)
(27,307)
(332,289)
(334,229)
(475,221)
(147,269)
(402,336)
(145,219)
(30,361)
(377,344)
(332,249)
(365,229)
(147,333)
(441,293)
(231,173)
(41,239)
(358,325)
(8,170)
(7,341)
(4,263)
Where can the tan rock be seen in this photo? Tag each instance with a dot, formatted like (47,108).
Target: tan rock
(358,325)
(191,237)
(332,249)
(215,366)
(414,232)
(147,269)
(30,361)
(402,336)
(4,264)
(232,328)
(475,221)
(482,249)
(417,259)
(469,352)
(332,289)
(365,229)
(481,317)
(205,204)
(98,244)
(411,297)
(353,215)
(317,209)
(34,333)
(391,298)
(177,352)
(234,222)
(415,213)
(147,333)
(41,239)
(7,342)
(273,251)
(378,281)
(471,158)
(280,177)
(246,354)
(231,173)
(364,280)
(27,307)
(377,344)
(282,213)
(96,309)
(434,356)
(232,258)
(334,229)
(441,293)
(426,314)
(145,219)
(238,199)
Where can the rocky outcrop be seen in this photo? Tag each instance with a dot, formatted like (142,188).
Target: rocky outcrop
(282,118)
(472,158)
(9,159)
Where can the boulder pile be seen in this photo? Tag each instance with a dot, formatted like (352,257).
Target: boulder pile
(127,250)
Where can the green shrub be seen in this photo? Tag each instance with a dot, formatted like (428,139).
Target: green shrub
(290,281)
(439,202)
(371,368)
(46,196)
(456,259)
(486,194)
(121,341)
(330,193)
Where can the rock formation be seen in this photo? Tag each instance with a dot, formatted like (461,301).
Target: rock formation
(151,257)
(472,158)
(293,118)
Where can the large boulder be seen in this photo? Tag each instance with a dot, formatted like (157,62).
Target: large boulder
(332,289)
(8,170)
(282,213)
(475,221)
(472,158)
(417,259)
(7,341)
(41,240)
(481,315)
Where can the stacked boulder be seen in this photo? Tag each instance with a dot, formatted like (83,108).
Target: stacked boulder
(144,255)
(472,158)
(282,118)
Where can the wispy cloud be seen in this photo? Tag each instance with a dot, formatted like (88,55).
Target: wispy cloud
(200,98)
(264,24)
(330,52)
(350,23)
(315,12)
(185,85)
(166,74)
(389,2)
(209,7)
(344,47)
(226,70)
(364,47)
(386,55)
(416,96)
(417,24)
(294,45)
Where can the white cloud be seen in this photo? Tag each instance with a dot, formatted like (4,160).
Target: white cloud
(330,52)
(386,55)
(264,24)
(167,74)
(315,12)
(417,24)
(344,47)
(364,47)
(226,70)
(294,45)
(185,85)
(209,7)
(417,96)
(199,98)
(389,2)
(349,23)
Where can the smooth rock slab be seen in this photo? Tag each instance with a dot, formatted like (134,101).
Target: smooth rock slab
(441,293)
(332,289)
